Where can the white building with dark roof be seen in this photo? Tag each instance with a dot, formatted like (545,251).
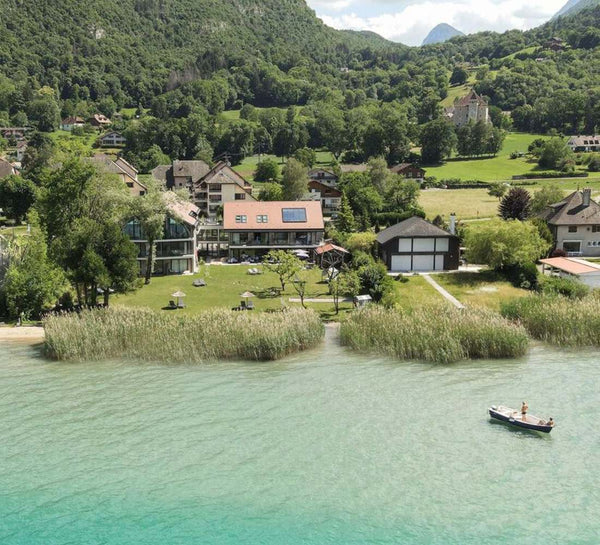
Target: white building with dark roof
(584,143)
(575,224)
(417,245)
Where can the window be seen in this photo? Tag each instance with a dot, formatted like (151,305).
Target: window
(262,218)
(595,228)
(572,228)
(241,219)
(129,184)
(240,196)
(214,187)
(293,215)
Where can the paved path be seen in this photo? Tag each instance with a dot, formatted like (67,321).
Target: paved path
(320,300)
(443,292)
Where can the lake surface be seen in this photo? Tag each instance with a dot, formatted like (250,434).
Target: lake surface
(326,447)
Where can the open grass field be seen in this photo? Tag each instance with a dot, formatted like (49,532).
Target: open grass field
(465,203)
(469,204)
(479,289)
(499,168)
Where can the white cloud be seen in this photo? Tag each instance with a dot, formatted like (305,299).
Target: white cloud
(412,23)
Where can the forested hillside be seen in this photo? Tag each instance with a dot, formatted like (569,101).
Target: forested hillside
(183,62)
(133,50)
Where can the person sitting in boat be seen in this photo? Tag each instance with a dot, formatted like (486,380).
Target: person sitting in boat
(550,422)
(524,408)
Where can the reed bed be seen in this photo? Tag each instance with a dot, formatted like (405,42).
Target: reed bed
(434,334)
(145,335)
(558,320)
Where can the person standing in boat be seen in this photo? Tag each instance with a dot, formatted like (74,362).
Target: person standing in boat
(524,408)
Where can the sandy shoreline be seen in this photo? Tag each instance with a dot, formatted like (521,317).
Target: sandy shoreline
(22,334)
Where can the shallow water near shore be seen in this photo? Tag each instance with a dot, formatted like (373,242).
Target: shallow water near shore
(325,447)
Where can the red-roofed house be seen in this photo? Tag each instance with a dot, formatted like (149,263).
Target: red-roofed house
(69,123)
(256,227)
(99,120)
(409,172)
(329,195)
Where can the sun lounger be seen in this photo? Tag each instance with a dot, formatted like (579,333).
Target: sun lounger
(200,283)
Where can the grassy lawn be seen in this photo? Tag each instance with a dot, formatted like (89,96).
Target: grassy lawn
(415,293)
(491,169)
(225,283)
(479,289)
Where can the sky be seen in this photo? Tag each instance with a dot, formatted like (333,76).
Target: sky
(409,21)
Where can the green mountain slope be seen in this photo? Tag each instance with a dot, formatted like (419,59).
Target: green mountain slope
(139,46)
(575,6)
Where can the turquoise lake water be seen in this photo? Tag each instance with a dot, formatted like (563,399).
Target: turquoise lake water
(326,447)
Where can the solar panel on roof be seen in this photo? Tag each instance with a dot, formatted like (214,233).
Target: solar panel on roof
(293,215)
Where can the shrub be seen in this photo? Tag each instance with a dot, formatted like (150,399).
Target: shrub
(568,287)
(523,276)
(594,164)
(439,334)
(556,319)
(142,334)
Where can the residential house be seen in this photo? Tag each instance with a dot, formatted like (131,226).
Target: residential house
(176,249)
(99,121)
(409,172)
(584,143)
(6,168)
(323,175)
(123,169)
(417,245)
(471,107)
(14,133)
(555,44)
(181,174)
(220,185)
(112,139)
(575,224)
(256,227)
(69,123)
(327,194)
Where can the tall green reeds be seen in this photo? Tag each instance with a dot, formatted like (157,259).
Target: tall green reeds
(435,334)
(558,320)
(145,335)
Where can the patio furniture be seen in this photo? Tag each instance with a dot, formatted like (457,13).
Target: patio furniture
(249,305)
(172,304)
(200,283)
(179,295)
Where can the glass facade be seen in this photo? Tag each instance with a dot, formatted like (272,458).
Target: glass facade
(277,238)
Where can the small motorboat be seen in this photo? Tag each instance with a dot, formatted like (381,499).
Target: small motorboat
(514,418)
